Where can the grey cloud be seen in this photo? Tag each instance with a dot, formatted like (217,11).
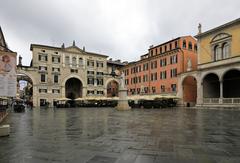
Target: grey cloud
(121,29)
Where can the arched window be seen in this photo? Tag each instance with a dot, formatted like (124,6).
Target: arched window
(80,61)
(195,47)
(217,53)
(190,46)
(67,60)
(74,61)
(225,50)
(184,44)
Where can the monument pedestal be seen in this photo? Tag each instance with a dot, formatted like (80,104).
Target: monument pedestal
(123,101)
(4,130)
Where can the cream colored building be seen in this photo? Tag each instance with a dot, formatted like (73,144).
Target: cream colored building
(71,72)
(218,74)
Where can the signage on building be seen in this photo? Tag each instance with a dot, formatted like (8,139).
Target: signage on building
(8,77)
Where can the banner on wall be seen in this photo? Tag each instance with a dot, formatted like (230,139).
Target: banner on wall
(8,77)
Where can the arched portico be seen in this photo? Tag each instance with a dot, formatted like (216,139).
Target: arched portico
(112,87)
(189,89)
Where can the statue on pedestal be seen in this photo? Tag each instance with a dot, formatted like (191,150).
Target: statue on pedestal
(122,80)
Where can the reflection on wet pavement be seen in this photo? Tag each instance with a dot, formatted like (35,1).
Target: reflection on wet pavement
(96,135)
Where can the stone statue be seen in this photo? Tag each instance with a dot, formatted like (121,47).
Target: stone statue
(122,79)
(189,64)
(199,28)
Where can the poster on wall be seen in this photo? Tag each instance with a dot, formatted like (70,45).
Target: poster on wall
(8,77)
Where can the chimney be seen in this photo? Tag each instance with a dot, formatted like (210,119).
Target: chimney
(84,48)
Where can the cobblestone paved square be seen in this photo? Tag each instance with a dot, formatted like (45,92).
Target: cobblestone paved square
(96,135)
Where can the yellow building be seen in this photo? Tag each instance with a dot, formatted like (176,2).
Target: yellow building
(218,74)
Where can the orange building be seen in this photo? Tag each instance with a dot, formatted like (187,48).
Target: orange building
(156,72)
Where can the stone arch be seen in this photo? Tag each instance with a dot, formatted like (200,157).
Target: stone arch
(112,86)
(230,81)
(211,85)
(73,76)
(27,74)
(73,88)
(189,90)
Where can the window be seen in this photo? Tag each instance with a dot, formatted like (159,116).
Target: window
(99,73)
(146,89)
(221,46)
(165,48)
(153,89)
(90,73)
(100,92)
(74,62)
(190,46)
(90,81)
(225,50)
(80,62)
(217,53)
(163,62)
(55,78)
(173,59)
(170,46)
(42,68)
(156,51)
(74,71)
(184,44)
(195,47)
(99,64)
(55,69)
(160,50)
(145,78)
(139,68)
(67,60)
(90,63)
(176,44)
(139,79)
(173,73)
(145,67)
(43,57)
(90,92)
(162,88)
(163,75)
(42,90)
(126,81)
(99,81)
(55,91)
(43,78)
(56,59)
(174,87)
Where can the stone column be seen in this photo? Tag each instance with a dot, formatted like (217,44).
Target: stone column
(199,93)
(221,91)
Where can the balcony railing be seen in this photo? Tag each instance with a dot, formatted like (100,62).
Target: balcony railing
(232,101)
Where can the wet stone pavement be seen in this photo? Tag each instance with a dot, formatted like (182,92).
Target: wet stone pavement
(104,135)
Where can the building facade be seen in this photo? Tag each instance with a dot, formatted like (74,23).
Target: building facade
(218,74)
(157,71)
(71,72)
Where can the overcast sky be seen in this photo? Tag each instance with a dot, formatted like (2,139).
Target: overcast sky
(121,29)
